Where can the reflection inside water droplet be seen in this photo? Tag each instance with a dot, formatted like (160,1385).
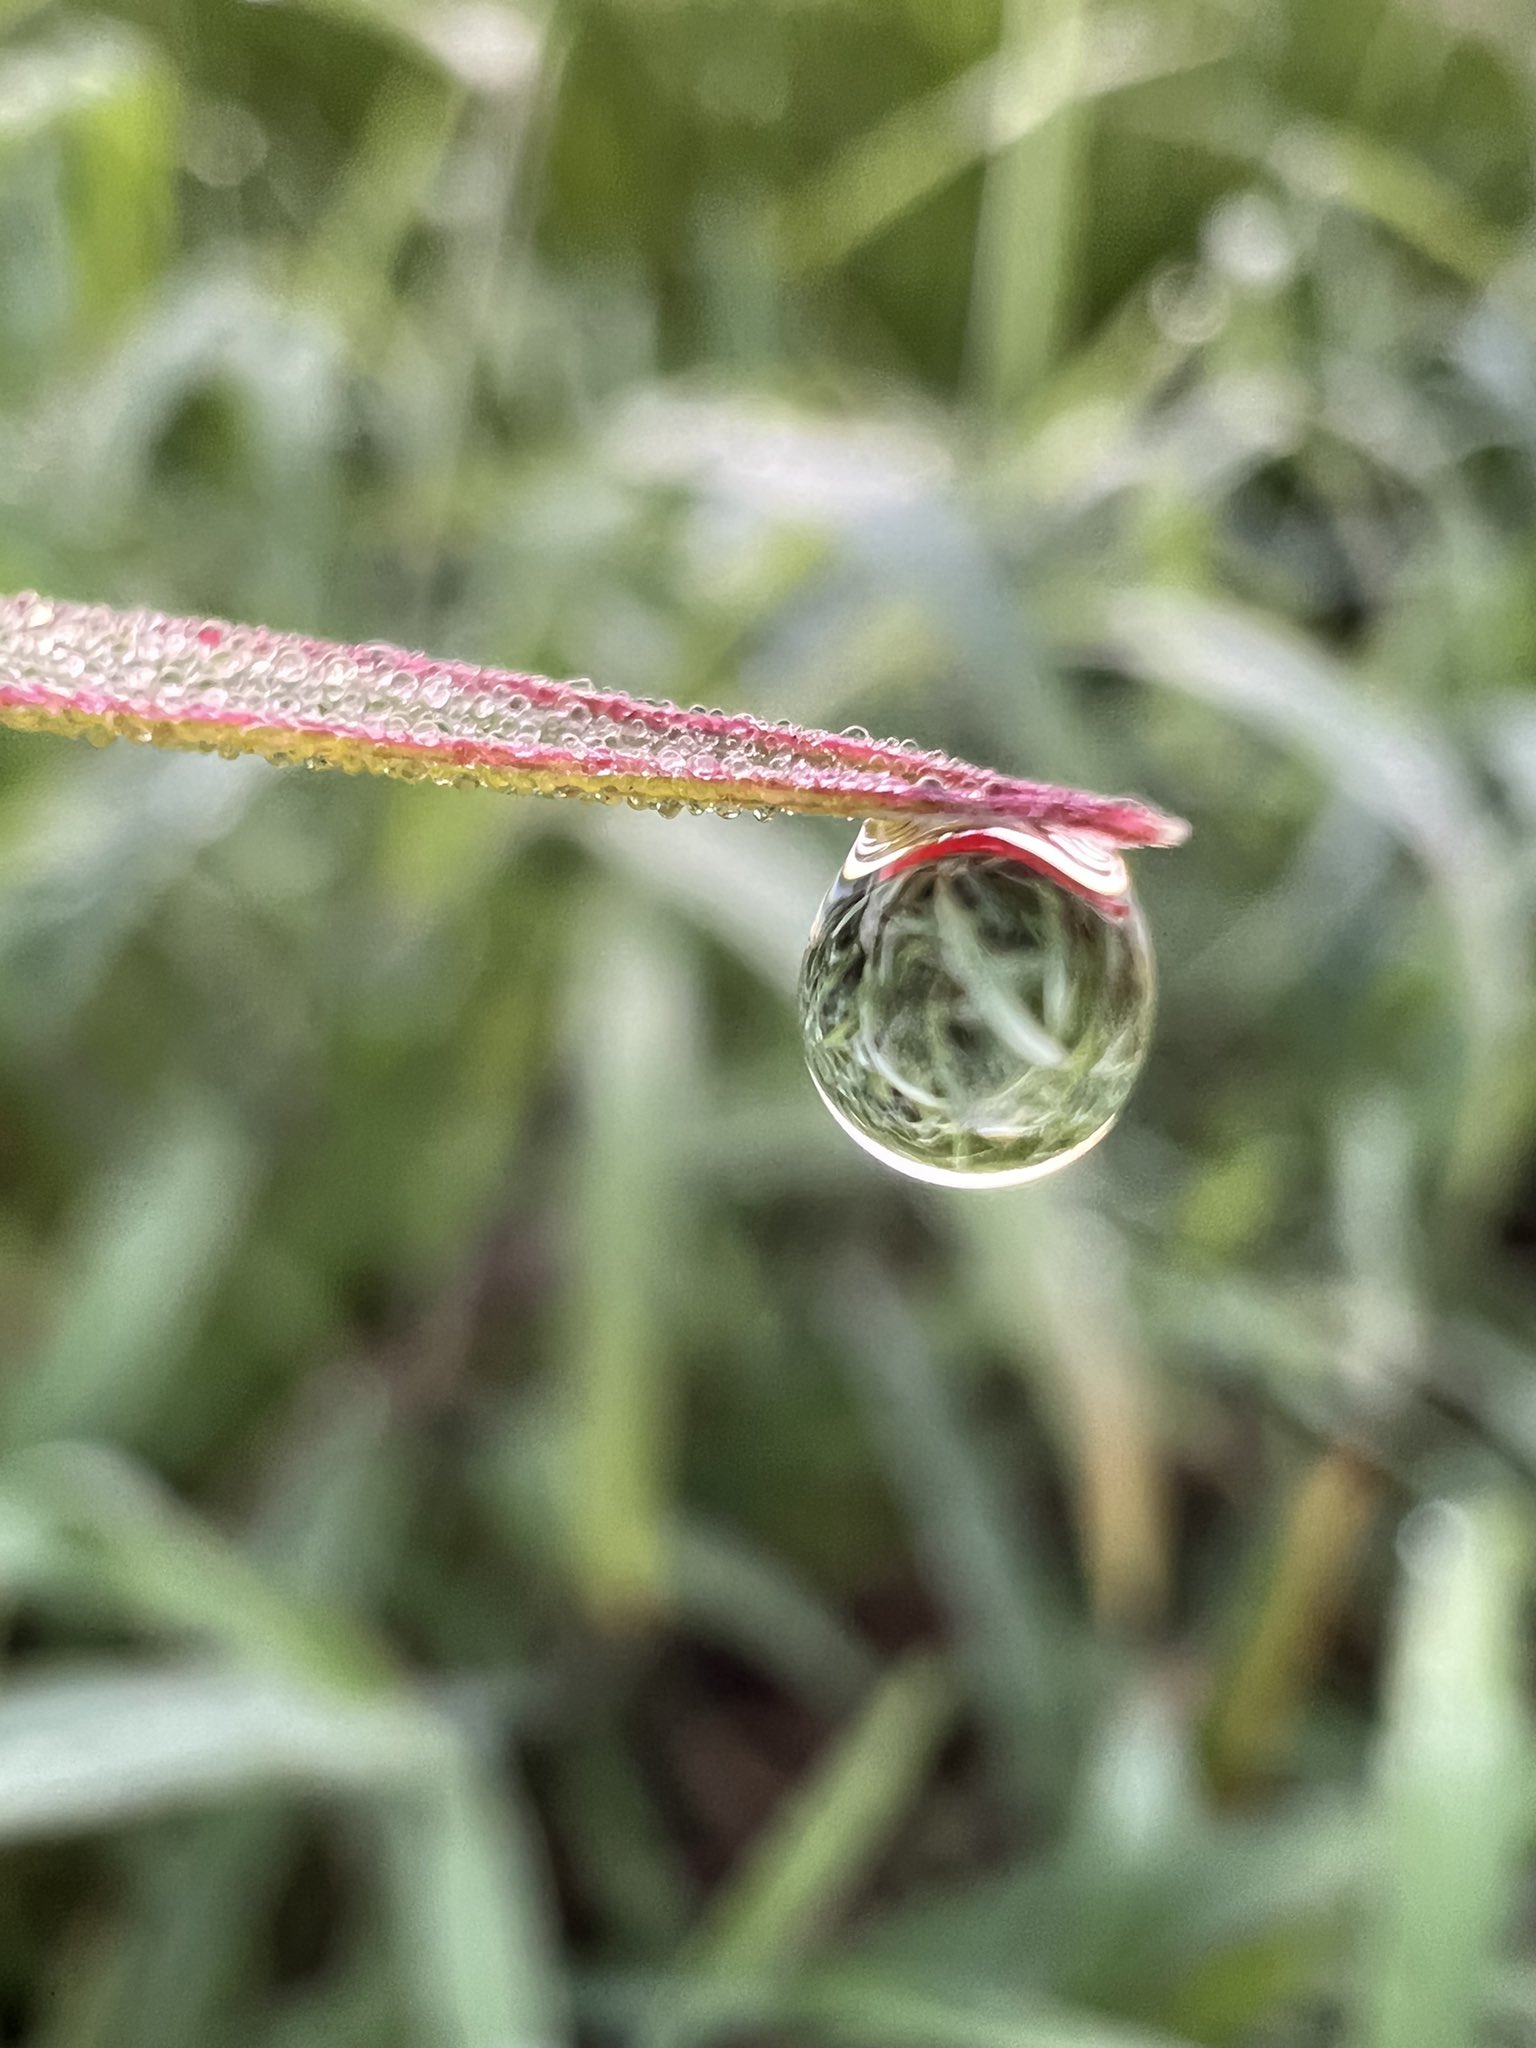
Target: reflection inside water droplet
(977,1003)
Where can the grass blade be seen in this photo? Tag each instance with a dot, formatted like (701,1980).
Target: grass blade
(1454,1754)
(206,686)
(1000,1610)
(894,2016)
(822,1848)
(731,1592)
(1024,257)
(144,1259)
(85,1527)
(1050,1281)
(469,1912)
(92,1750)
(633,1028)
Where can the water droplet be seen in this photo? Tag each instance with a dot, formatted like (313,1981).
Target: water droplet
(977,1002)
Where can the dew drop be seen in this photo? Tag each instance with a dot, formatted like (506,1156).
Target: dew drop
(977,1003)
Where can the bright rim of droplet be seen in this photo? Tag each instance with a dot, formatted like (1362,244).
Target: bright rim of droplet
(977,1003)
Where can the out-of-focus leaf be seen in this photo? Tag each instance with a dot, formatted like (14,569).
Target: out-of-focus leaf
(632,1032)
(351,256)
(221,337)
(1395,766)
(1351,168)
(818,1851)
(1150,1906)
(1374,1212)
(755,894)
(85,1526)
(113,108)
(1051,1282)
(1026,244)
(872,2012)
(362,2010)
(1455,1746)
(141,1267)
(94,1749)
(921,147)
(490,46)
(1316,1553)
(981,1566)
(191,1941)
(840,2004)
(732,1594)
(91,865)
(470,1917)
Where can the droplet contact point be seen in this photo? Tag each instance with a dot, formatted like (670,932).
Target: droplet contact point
(977,1003)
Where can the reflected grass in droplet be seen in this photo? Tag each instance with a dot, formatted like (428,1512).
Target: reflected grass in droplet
(977,1006)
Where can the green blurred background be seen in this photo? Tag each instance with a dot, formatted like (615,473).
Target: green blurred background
(511,1528)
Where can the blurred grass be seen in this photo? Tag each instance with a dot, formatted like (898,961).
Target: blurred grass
(508,1525)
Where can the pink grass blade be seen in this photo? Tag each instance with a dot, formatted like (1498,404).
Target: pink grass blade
(202,684)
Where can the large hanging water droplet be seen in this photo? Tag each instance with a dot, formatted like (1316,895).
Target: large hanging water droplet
(977,1003)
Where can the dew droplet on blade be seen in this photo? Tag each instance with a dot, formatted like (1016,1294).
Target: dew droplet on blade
(977,1003)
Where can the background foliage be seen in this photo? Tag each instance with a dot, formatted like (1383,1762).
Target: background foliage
(510,1524)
